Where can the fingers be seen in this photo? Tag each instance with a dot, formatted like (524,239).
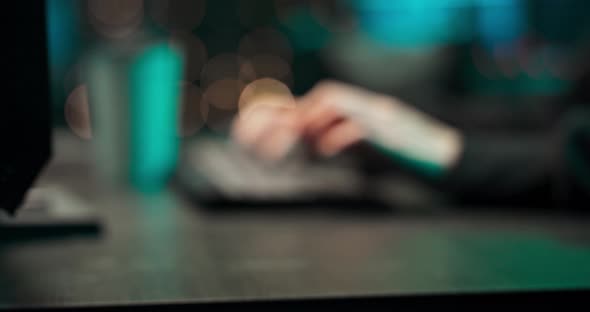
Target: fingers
(319,110)
(268,132)
(258,115)
(271,131)
(338,138)
(315,119)
(324,123)
(276,144)
(249,128)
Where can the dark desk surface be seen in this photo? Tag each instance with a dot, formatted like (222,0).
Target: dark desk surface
(164,250)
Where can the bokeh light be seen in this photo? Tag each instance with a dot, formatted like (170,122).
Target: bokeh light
(195,53)
(177,14)
(266,65)
(193,110)
(483,63)
(115,19)
(285,8)
(303,29)
(500,23)
(224,93)
(222,66)
(266,41)
(257,13)
(506,61)
(220,120)
(77,112)
(265,91)
(333,15)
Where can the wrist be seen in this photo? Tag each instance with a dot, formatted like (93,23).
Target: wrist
(415,137)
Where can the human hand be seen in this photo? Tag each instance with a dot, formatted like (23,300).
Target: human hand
(334,116)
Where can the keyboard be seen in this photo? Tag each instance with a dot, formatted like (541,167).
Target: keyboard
(219,171)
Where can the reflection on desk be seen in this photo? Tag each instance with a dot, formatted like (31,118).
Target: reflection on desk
(165,249)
